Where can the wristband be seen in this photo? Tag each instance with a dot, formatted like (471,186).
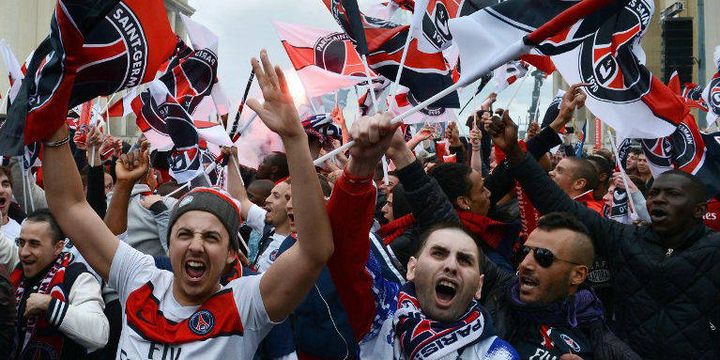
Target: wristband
(59,143)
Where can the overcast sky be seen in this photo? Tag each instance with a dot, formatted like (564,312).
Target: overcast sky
(244,27)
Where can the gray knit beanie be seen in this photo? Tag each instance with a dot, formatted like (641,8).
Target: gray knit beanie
(214,201)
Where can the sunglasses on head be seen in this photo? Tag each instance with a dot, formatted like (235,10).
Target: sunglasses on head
(543,257)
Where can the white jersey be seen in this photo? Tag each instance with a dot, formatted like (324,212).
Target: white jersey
(256,220)
(155,326)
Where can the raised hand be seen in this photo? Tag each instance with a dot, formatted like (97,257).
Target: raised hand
(134,165)
(452,133)
(278,112)
(573,99)
(487,104)
(504,132)
(475,136)
(533,129)
(372,136)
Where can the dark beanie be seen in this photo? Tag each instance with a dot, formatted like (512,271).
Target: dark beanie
(214,201)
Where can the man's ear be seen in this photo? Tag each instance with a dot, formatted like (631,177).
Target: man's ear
(462,202)
(579,184)
(700,210)
(59,246)
(231,256)
(478,293)
(411,269)
(578,275)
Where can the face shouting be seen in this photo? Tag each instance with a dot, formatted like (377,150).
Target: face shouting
(36,247)
(672,209)
(446,274)
(275,205)
(199,251)
(544,285)
(5,196)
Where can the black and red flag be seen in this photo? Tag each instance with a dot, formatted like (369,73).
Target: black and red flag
(95,48)
(425,74)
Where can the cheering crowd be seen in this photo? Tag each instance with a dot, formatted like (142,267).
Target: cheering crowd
(400,235)
(435,260)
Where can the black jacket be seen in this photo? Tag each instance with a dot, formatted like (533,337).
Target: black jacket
(667,301)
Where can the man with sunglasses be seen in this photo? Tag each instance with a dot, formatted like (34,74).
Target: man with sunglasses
(666,274)
(547,311)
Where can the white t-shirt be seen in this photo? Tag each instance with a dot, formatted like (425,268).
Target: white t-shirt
(11,229)
(156,326)
(256,220)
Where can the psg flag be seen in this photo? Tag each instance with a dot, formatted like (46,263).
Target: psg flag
(324,60)
(425,74)
(93,50)
(622,90)
(689,150)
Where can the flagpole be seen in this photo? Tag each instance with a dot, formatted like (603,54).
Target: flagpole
(615,151)
(369,80)
(233,129)
(554,26)
(419,12)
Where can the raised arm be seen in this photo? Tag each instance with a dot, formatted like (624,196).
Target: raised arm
(67,203)
(96,174)
(545,195)
(235,183)
(476,148)
(116,217)
(293,274)
(351,224)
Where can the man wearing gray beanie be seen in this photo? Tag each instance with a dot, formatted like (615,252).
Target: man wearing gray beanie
(187,311)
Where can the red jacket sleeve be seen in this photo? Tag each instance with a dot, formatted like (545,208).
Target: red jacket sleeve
(351,209)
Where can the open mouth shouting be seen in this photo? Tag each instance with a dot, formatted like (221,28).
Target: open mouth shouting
(658,215)
(528,284)
(445,291)
(195,269)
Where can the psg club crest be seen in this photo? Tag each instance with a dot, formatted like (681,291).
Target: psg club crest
(658,151)
(714,96)
(331,53)
(202,322)
(607,61)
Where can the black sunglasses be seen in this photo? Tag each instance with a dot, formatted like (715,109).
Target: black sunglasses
(543,257)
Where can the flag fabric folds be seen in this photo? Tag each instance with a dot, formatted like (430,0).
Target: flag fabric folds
(689,150)
(324,60)
(601,49)
(91,51)
(404,101)
(622,90)
(425,74)
(510,72)
(15,74)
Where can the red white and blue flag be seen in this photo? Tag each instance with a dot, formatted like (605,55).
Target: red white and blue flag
(601,48)
(689,150)
(91,51)
(507,74)
(425,74)
(405,101)
(711,97)
(324,60)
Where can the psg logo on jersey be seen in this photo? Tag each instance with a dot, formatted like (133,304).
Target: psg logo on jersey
(202,322)
(607,60)
(570,342)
